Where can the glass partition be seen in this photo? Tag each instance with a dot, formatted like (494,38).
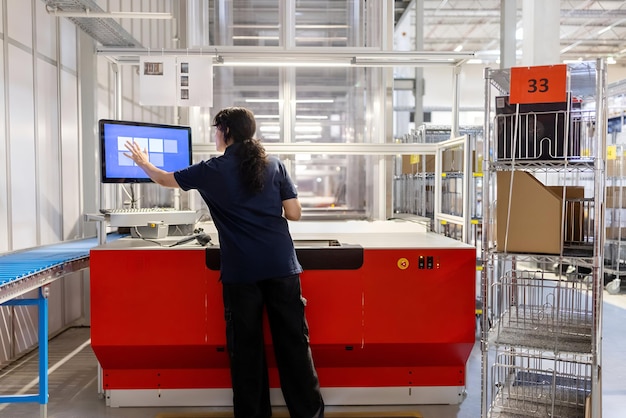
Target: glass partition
(317,75)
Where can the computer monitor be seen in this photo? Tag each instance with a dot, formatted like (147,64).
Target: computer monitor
(169,148)
(614,124)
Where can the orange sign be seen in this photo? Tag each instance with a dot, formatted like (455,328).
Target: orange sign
(540,84)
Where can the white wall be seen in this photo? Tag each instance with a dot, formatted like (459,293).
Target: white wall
(37,206)
(40,194)
(153,34)
(44,104)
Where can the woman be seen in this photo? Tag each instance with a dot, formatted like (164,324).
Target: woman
(250,196)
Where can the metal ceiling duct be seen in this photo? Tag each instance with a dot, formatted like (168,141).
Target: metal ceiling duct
(104,30)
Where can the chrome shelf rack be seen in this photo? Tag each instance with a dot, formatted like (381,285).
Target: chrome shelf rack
(541,329)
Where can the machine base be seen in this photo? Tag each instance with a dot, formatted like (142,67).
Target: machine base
(332,396)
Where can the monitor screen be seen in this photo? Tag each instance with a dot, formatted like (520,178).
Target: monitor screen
(169,148)
(614,124)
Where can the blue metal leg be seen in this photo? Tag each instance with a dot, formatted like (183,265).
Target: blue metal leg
(43,351)
(42,396)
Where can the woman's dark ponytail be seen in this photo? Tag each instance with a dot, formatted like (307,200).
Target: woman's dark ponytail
(238,124)
(252,163)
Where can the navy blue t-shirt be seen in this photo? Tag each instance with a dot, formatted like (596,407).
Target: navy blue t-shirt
(255,242)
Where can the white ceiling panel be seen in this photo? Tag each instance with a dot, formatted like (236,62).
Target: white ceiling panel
(589,29)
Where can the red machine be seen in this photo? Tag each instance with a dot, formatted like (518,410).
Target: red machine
(389,323)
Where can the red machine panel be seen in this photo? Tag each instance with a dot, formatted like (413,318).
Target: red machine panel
(157,319)
(416,325)
(404,318)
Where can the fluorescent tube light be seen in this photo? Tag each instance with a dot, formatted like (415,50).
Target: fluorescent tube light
(312,117)
(112,15)
(315,101)
(294,63)
(256,37)
(252,100)
(262,100)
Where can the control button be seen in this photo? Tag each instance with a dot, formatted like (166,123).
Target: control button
(430,262)
(403,264)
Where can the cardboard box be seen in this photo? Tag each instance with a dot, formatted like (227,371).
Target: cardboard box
(528,224)
(615,197)
(615,161)
(574,211)
(615,232)
(616,167)
(452,161)
(418,163)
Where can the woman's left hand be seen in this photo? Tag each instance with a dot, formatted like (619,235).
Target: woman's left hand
(136,154)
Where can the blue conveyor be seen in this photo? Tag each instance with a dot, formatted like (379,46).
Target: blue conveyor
(32,269)
(15,266)
(26,270)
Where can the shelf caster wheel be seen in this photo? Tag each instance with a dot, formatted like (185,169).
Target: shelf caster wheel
(613,287)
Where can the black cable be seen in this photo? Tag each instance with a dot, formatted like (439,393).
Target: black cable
(198,234)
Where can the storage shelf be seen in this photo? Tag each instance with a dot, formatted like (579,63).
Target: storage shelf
(539,410)
(546,322)
(584,259)
(544,314)
(532,385)
(555,166)
(540,334)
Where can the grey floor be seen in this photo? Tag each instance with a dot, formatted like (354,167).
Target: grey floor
(73,380)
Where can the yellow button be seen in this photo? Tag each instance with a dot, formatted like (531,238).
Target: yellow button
(403,264)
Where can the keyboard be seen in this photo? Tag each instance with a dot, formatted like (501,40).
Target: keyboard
(127,217)
(136,210)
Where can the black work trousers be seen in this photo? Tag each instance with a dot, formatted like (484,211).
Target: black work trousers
(243,309)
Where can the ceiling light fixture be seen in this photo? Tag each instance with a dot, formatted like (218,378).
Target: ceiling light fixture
(302,39)
(294,63)
(255,37)
(308,57)
(112,15)
(312,117)
(253,100)
(315,101)
(388,62)
(269,129)
(424,59)
(262,100)
(250,26)
(266,116)
(611,26)
(322,27)
(307,129)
